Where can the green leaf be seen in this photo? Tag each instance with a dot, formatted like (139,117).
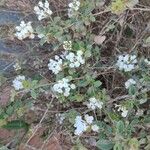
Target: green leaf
(9,110)
(82,83)
(71,114)
(34,83)
(33,94)
(120,127)
(4,148)
(134,144)
(26,84)
(118,146)
(87,53)
(97,84)
(132,90)
(114,116)
(16,124)
(43,41)
(104,144)
(78,98)
(91,90)
(92,18)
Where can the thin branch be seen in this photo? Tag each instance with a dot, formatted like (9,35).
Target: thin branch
(39,124)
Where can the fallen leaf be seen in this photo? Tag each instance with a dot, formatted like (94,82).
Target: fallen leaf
(99,39)
(5,96)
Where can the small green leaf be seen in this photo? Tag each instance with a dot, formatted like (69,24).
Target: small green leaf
(26,84)
(10,110)
(97,84)
(118,146)
(16,124)
(82,83)
(104,144)
(34,83)
(120,127)
(33,94)
(87,54)
(132,90)
(134,144)
(91,90)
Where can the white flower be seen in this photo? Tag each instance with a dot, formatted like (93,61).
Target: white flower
(73,8)
(63,87)
(89,119)
(94,103)
(72,86)
(18,82)
(55,65)
(60,118)
(24,30)
(70,13)
(147,61)
(124,112)
(17,66)
(74,5)
(80,125)
(139,112)
(67,45)
(129,82)
(126,62)
(42,10)
(95,128)
(75,60)
(123,109)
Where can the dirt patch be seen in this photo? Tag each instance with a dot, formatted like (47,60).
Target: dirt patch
(38,143)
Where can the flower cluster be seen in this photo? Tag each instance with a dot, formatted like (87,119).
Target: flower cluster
(42,10)
(63,87)
(129,83)
(73,7)
(82,125)
(126,62)
(67,45)
(55,65)
(75,60)
(94,103)
(24,30)
(123,110)
(18,82)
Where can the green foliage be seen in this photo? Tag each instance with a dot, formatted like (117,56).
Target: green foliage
(16,124)
(95,78)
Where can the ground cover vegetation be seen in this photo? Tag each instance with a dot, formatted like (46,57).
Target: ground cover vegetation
(87,77)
